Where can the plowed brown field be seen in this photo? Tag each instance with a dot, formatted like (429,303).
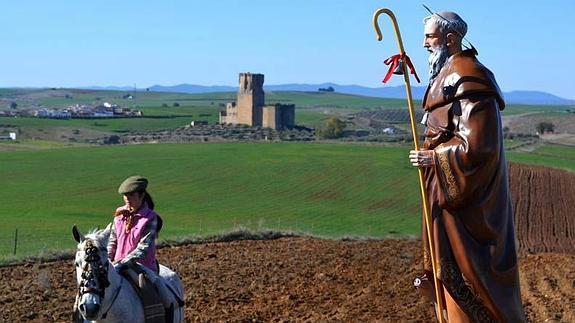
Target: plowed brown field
(307,279)
(292,279)
(544,203)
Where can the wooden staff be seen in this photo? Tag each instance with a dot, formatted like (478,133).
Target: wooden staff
(436,282)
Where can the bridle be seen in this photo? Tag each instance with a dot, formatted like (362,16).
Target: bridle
(95,276)
(95,273)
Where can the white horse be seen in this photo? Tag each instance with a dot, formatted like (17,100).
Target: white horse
(106,296)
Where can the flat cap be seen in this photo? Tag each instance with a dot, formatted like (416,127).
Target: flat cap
(133,184)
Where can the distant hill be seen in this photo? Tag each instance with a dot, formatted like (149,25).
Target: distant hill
(190,88)
(398,92)
(535,97)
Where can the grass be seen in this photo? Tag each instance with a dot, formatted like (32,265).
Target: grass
(336,100)
(332,190)
(515,109)
(550,155)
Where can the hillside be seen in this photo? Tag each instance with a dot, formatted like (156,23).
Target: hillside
(397,92)
(170,111)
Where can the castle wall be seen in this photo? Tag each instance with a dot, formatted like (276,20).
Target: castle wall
(222,117)
(231,115)
(287,116)
(279,116)
(270,117)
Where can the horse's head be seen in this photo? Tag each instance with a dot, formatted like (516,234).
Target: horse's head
(91,271)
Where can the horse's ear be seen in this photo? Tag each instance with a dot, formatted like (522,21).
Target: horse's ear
(77,235)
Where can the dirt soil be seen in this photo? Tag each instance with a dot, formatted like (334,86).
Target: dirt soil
(291,279)
(543,204)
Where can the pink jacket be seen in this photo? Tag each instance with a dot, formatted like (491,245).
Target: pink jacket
(136,244)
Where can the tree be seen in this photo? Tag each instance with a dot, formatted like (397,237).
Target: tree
(328,89)
(176,104)
(332,129)
(13,105)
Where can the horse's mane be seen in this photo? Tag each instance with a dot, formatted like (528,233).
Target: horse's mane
(99,237)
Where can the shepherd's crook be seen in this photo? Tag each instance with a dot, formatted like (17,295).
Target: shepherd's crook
(426,214)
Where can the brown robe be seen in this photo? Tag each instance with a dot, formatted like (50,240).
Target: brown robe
(468,194)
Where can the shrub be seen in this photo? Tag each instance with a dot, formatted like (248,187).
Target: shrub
(332,129)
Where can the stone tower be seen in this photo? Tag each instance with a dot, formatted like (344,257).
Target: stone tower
(250,99)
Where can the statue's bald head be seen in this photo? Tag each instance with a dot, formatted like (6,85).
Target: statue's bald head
(448,22)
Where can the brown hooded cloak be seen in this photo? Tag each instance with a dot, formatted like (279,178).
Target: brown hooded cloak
(468,193)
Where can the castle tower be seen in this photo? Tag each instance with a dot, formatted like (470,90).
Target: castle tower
(250,99)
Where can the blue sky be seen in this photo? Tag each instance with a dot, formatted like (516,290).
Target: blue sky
(58,43)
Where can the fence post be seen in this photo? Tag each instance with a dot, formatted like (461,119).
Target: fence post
(15,241)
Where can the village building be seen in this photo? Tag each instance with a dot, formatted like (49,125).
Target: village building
(53,114)
(10,136)
(250,109)
(105,110)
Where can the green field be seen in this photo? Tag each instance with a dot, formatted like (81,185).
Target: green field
(157,99)
(556,156)
(515,109)
(331,190)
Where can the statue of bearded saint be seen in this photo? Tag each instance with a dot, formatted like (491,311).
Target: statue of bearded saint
(466,182)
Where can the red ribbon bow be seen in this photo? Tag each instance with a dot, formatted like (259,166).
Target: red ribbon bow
(394,61)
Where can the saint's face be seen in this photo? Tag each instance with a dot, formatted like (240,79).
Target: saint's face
(435,43)
(432,36)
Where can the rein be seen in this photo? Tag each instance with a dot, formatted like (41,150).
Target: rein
(113,299)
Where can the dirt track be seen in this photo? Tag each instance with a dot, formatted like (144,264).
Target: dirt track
(292,279)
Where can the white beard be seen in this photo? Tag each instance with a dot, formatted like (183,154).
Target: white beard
(437,59)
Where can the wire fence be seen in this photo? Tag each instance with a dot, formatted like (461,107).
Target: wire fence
(22,243)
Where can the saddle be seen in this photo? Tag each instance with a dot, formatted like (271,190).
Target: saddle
(155,311)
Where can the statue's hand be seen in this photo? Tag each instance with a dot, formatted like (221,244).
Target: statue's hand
(422,158)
